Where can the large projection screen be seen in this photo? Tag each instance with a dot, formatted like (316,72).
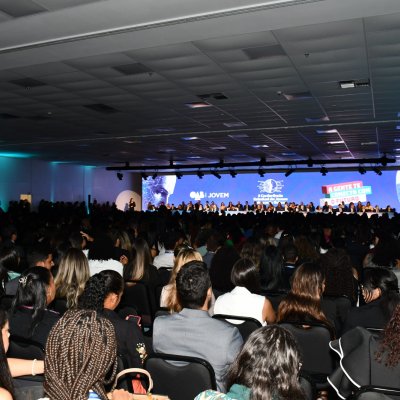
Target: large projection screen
(275,187)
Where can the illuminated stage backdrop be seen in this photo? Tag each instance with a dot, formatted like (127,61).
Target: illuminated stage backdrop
(334,187)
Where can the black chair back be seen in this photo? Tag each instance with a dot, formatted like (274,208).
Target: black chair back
(317,357)
(6,302)
(139,296)
(275,297)
(184,379)
(245,326)
(28,349)
(21,347)
(59,305)
(343,306)
(376,393)
(308,386)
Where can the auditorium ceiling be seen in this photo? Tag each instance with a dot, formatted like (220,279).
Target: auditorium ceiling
(182,82)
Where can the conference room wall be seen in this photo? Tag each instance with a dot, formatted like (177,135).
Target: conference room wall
(54,181)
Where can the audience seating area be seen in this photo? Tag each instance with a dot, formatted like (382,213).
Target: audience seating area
(179,377)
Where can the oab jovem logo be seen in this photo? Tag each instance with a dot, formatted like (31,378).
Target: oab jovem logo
(270,186)
(212,195)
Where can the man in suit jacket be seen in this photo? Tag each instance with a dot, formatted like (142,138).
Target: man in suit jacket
(192,332)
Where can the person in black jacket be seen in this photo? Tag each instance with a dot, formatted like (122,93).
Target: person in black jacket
(29,316)
(380,290)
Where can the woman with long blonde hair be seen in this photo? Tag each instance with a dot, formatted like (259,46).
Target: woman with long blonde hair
(169,298)
(72,276)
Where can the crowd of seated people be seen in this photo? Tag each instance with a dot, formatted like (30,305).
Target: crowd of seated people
(283,266)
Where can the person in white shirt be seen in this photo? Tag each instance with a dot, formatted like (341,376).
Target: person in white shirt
(243,300)
(166,258)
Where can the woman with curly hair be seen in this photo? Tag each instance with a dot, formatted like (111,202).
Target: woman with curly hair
(367,358)
(80,352)
(267,368)
(103,293)
(72,274)
(303,302)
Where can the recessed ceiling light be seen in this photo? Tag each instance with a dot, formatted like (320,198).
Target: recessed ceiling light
(398,127)
(164,129)
(131,141)
(396,149)
(397,155)
(198,104)
(318,119)
(193,157)
(347,158)
(239,135)
(257,146)
(397,140)
(367,143)
(297,96)
(220,148)
(190,138)
(289,154)
(347,84)
(336,142)
(342,151)
(236,124)
(322,131)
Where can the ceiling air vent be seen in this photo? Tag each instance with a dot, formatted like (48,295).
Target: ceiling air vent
(8,116)
(215,96)
(101,108)
(254,53)
(133,69)
(20,8)
(27,82)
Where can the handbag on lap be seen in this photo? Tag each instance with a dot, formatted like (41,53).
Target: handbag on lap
(148,395)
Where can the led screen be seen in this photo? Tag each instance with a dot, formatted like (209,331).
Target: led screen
(298,187)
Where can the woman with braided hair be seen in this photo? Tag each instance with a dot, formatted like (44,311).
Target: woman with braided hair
(81,351)
(103,293)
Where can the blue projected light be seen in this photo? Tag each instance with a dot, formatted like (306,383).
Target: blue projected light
(16,155)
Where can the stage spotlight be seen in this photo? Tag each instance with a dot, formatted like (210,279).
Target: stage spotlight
(154,176)
(233,173)
(377,171)
(362,170)
(120,176)
(289,172)
(200,174)
(216,174)
(261,172)
(310,162)
(323,171)
(179,175)
(144,176)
